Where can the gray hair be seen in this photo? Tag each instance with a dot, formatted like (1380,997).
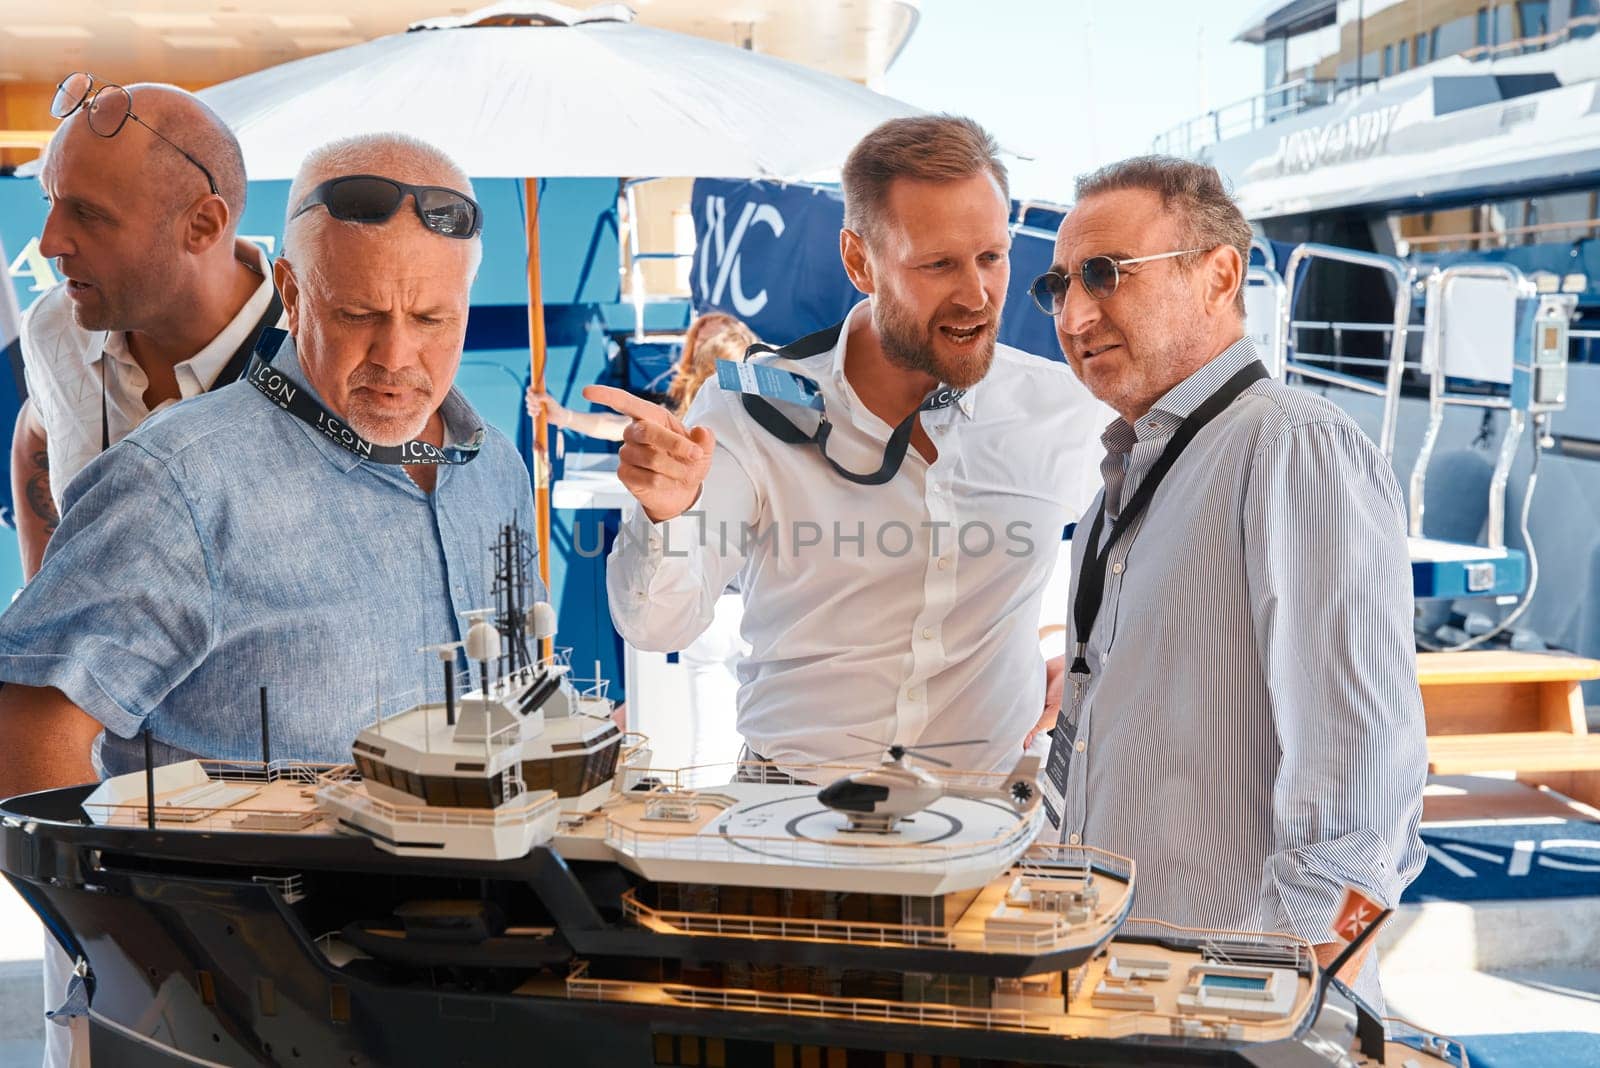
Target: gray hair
(396,155)
(1192,192)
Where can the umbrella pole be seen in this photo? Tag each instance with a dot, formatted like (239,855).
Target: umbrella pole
(536,354)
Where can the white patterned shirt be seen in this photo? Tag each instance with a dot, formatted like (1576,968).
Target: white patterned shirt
(63,362)
(905,612)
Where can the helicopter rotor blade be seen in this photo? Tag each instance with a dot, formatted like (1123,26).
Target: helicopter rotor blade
(946,745)
(869,741)
(933,760)
(858,756)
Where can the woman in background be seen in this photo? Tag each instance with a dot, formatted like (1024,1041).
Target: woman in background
(711,337)
(711,661)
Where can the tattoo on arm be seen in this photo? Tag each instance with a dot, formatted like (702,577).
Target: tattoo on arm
(39,492)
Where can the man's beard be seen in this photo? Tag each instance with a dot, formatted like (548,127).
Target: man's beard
(387,427)
(910,345)
(143,293)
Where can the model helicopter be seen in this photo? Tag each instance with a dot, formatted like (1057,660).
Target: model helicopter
(875,800)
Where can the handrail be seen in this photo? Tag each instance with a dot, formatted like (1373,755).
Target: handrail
(1403,276)
(445,815)
(912,856)
(1481,235)
(1539,42)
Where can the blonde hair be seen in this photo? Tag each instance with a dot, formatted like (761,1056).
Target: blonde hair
(924,148)
(711,337)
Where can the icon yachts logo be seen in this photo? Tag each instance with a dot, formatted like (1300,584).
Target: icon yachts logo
(722,253)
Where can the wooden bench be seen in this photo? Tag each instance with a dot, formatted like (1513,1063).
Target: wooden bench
(1510,711)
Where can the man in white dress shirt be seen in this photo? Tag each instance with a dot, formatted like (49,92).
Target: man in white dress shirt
(892,513)
(159,294)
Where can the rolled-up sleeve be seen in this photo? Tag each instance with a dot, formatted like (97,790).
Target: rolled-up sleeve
(122,609)
(1330,592)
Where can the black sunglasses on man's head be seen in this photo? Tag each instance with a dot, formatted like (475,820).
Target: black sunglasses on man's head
(372,198)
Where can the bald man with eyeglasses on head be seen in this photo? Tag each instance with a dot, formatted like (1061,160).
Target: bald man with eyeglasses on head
(160,299)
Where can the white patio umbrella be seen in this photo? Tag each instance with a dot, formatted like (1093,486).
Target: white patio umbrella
(558,93)
(531,89)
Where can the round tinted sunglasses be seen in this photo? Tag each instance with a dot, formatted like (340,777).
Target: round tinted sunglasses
(372,198)
(109,108)
(1100,274)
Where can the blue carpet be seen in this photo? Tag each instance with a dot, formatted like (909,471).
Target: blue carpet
(1508,862)
(1548,1049)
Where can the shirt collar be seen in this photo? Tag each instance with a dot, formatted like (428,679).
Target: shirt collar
(1179,402)
(966,405)
(461,420)
(197,374)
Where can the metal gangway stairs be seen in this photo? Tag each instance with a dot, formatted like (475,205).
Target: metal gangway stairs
(1490,339)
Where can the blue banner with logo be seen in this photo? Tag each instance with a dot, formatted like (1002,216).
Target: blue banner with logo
(768,253)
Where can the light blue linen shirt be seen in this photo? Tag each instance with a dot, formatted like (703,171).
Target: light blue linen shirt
(224,546)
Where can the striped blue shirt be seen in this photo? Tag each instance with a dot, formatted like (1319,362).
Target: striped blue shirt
(1251,732)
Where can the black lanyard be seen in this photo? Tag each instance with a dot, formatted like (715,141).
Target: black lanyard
(1092,575)
(295,399)
(779,425)
(231,371)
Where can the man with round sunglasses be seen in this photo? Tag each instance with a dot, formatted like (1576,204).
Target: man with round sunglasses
(890,491)
(305,529)
(160,299)
(1241,713)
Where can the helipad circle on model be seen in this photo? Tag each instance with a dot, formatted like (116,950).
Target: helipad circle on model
(957,822)
(753,834)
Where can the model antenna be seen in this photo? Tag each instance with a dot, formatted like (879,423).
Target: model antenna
(149,782)
(447,656)
(266,733)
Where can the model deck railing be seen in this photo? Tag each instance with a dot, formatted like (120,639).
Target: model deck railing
(905,857)
(851,931)
(545,802)
(1059,1021)
(924,1014)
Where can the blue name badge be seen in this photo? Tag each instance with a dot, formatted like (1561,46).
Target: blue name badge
(773,383)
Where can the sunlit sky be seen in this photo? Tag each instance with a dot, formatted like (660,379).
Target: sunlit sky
(1076,83)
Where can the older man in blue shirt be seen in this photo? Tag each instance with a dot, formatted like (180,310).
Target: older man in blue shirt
(303,530)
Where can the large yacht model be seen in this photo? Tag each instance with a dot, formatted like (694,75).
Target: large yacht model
(501,874)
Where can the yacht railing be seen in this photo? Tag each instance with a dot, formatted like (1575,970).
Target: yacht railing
(546,803)
(785,927)
(1255,111)
(860,852)
(921,1013)
(1578,26)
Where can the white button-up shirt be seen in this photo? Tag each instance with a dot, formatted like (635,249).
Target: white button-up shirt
(62,364)
(906,612)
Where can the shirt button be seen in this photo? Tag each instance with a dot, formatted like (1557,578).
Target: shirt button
(1081,746)
(944,563)
(927,633)
(912,695)
(1073,839)
(1116,568)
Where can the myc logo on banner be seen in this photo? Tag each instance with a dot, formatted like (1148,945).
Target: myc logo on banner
(723,248)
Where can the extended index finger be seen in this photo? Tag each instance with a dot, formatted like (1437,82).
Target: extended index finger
(620,400)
